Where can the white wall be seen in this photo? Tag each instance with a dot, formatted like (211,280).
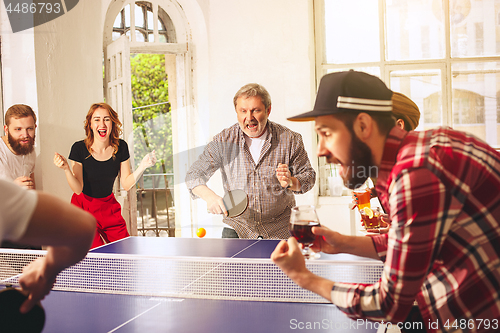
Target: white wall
(267,42)
(68,53)
(18,61)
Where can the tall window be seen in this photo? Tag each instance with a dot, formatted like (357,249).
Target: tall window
(443,54)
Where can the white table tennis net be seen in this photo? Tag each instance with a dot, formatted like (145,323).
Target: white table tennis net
(189,277)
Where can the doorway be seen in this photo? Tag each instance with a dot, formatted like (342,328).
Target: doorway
(152,131)
(142,30)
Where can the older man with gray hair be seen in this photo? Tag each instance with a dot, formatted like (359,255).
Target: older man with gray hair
(266,160)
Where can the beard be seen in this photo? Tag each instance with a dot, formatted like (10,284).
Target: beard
(361,166)
(18,147)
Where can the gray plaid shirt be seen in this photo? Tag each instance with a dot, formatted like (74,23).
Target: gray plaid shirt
(268,212)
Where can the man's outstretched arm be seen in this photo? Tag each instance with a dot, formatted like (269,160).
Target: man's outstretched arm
(68,232)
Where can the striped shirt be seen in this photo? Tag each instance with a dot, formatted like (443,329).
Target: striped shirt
(269,204)
(441,189)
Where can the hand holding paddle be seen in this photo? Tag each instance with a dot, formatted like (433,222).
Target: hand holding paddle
(215,204)
(20,310)
(36,281)
(234,203)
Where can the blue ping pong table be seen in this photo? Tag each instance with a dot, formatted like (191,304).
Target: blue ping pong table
(91,312)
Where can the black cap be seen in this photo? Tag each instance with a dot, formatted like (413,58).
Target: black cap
(349,91)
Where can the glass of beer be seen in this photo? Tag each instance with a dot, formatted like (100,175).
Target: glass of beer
(363,197)
(302,220)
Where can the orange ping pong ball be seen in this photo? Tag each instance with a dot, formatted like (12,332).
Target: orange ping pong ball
(201,232)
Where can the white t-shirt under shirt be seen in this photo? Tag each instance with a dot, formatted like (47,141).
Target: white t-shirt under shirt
(255,146)
(16,208)
(13,166)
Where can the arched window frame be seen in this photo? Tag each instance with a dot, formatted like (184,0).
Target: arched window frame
(156,25)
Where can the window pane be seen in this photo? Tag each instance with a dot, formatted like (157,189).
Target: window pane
(150,20)
(139,37)
(351,31)
(474,28)
(151,37)
(162,38)
(127,16)
(415,29)
(424,88)
(476,97)
(118,21)
(161,26)
(116,35)
(139,17)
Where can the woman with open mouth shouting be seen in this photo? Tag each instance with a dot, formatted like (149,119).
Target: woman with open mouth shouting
(95,164)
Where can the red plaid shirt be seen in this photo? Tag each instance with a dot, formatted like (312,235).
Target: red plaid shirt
(441,189)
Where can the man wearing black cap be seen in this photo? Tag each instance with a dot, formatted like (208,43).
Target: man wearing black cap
(440,188)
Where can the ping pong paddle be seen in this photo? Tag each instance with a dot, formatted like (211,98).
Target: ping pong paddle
(236,202)
(11,320)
